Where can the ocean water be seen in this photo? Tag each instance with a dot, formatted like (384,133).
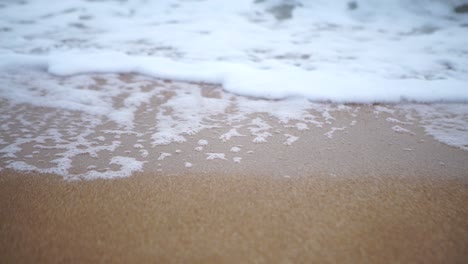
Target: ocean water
(346,51)
(69,57)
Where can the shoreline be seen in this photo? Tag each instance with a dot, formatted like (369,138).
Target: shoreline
(341,140)
(200,175)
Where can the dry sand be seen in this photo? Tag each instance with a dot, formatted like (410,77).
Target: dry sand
(369,195)
(234,219)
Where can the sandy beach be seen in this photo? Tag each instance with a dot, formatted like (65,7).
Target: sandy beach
(249,131)
(215,218)
(367,195)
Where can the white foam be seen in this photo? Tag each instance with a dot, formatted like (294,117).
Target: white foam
(321,50)
(128,166)
(447,123)
(235,149)
(202,142)
(231,133)
(213,156)
(302,126)
(199,148)
(396,121)
(290,139)
(400,129)
(259,128)
(143,153)
(176,123)
(164,155)
(330,133)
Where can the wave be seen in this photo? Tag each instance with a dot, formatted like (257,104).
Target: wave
(344,51)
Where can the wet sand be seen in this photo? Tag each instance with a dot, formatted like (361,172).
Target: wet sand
(366,194)
(234,218)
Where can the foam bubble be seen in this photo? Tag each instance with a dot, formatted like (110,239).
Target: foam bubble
(213,156)
(235,149)
(290,139)
(400,129)
(164,155)
(202,142)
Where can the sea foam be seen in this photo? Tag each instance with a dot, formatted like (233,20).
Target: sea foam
(320,50)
